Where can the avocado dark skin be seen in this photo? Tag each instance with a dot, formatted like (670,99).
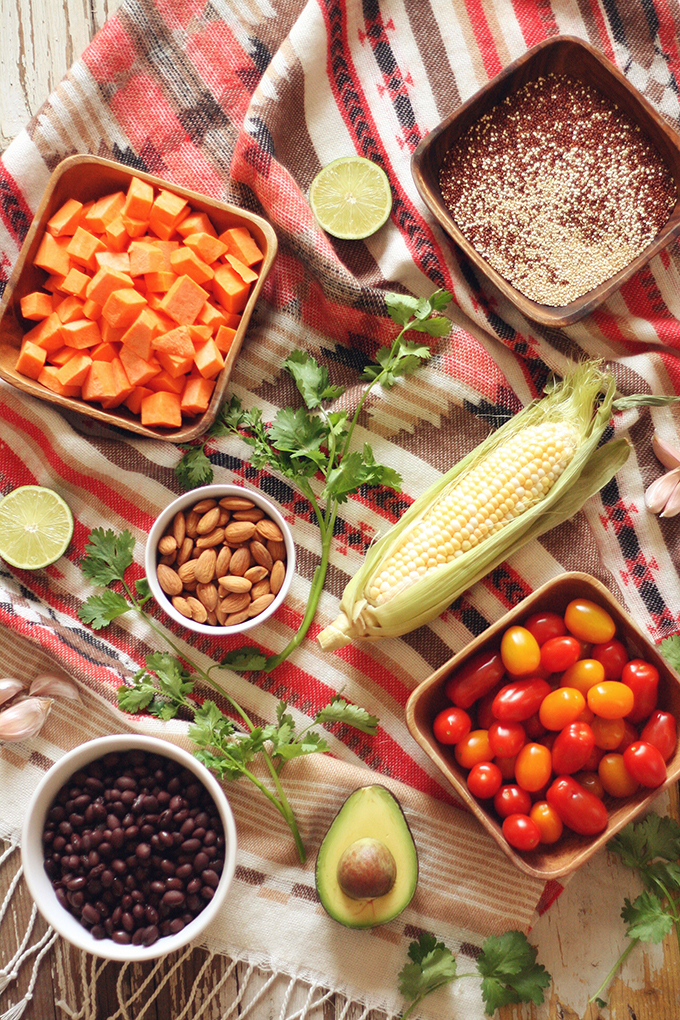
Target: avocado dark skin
(367,867)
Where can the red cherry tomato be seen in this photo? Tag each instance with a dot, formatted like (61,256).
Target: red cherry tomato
(572,748)
(507,767)
(519,700)
(561,707)
(629,735)
(506,738)
(483,708)
(613,656)
(473,748)
(589,622)
(643,680)
(451,725)
(519,651)
(533,767)
(511,800)
(533,727)
(590,781)
(521,832)
(608,732)
(548,821)
(615,777)
(545,625)
(559,653)
(583,675)
(645,763)
(484,780)
(475,679)
(611,699)
(660,730)
(578,808)
(593,759)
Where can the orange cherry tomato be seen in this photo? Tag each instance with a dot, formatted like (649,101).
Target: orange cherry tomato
(548,821)
(590,781)
(589,622)
(614,775)
(583,675)
(520,651)
(533,767)
(561,707)
(608,732)
(610,699)
(473,748)
(630,734)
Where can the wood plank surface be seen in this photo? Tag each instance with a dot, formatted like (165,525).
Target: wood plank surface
(578,939)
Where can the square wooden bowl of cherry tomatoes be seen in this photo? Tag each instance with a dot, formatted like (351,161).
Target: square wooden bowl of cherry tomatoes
(556,726)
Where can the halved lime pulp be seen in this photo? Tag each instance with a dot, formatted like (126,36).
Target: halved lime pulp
(351,197)
(36,526)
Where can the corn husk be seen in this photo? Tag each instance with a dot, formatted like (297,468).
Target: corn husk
(575,399)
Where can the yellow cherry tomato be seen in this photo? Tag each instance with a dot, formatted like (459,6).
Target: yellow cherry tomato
(611,699)
(473,748)
(520,651)
(548,821)
(615,778)
(608,732)
(589,622)
(583,675)
(561,707)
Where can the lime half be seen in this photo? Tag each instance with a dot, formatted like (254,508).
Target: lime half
(36,526)
(351,197)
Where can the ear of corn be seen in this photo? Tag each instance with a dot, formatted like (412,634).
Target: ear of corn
(534,472)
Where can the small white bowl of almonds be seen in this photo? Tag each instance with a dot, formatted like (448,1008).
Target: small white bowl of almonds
(220,559)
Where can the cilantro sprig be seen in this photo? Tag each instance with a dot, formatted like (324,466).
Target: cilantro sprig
(651,848)
(312,446)
(166,686)
(506,965)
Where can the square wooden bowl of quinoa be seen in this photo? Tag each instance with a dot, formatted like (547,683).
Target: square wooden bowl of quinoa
(558,180)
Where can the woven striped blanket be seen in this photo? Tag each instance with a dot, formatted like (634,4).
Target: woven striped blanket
(246,100)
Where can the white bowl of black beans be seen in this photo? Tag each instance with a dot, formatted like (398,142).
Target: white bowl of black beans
(129,847)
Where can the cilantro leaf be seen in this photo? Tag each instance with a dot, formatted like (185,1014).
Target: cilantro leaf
(194,468)
(142,590)
(670,649)
(646,918)
(107,556)
(311,379)
(100,610)
(639,843)
(173,679)
(509,971)
(342,711)
(248,657)
(432,966)
(356,469)
(401,307)
(300,434)
(210,728)
(135,699)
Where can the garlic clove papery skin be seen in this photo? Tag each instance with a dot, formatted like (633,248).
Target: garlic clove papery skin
(24,720)
(658,493)
(672,507)
(668,454)
(9,687)
(51,686)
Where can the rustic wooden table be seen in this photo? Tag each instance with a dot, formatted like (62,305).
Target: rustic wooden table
(578,938)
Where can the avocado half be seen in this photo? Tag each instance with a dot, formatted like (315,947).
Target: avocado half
(371,818)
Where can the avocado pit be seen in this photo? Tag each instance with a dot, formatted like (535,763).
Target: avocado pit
(366,869)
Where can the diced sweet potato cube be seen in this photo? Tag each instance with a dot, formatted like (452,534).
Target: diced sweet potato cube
(69,309)
(134,401)
(36,306)
(196,394)
(205,246)
(139,370)
(105,281)
(161,282)
(31,360)
(138,200)
(174,364)
(75,370)
(145,258)
(75,282)
(177,342)
(49,379)
(185,262)
(98,385)
(92,310)
(196,223)
(122,387)
(54,283)
(199,335)
(229,289)
(162,409)
(104,211)
(139,336)
(81,334)
(133,227)
(164,381)
(47,334)
(66,219)
(122,307)
(244,271)
(184,301)
(105,351)
(52,256)
(82,248)
(208,359)
(118,260)
(240,243)
(61,356)
(166,212)
(224,338)
(117,236)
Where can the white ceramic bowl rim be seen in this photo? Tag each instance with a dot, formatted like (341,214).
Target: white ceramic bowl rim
(216,491)
(32,856)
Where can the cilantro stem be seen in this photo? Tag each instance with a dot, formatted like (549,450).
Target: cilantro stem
(619,963)
(440,984)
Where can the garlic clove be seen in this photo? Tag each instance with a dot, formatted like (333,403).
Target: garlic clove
(52,686)
(8,688)
(672,507)
(668,454)
(24,720)
(659,491)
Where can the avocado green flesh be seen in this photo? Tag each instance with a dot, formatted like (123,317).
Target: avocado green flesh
(370,812)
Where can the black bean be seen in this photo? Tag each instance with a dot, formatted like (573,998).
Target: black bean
(121,938)
(173,898)
(90,914)
(210,878)
(151,935)
(190,846)
(143,851)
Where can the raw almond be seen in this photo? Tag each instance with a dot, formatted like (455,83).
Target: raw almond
(235,602)
(167,545)
(191,523)
(212,618)
(237,532)
(179,527)
(187,571)
(182,606)
(208,521)
(198,611)
(261,588)
(204,505)
(259,605)
(277,576)
(168,559)
(261,555)
(236,503)
(169,579)
(240,561)
(235,618)
(185,551)
(232,582)
(269,531)
(225,517)
(213,538)
(277,550)
(249,515)
(207,594)
(204,570)
(223,559)
(255,574)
